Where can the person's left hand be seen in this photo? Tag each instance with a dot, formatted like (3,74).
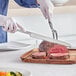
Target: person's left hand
(9,25)
(46,7)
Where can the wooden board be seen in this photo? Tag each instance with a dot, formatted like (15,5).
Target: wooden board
(71,60)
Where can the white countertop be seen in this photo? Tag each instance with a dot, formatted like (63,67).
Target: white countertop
(12,59)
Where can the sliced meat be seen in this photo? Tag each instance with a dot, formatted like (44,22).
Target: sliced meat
(51,50)
(58,56)
(45,46)
(58,52)
(39,55)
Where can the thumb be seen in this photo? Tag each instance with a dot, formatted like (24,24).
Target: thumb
(19,27)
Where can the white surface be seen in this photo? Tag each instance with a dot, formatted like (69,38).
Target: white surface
(13,46)
(12,60)
(23,71)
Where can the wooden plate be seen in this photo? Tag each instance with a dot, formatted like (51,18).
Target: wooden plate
(71,60)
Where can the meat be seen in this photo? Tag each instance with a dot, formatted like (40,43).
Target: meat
(39,55)
(58,52)
(51,51)
(45,46)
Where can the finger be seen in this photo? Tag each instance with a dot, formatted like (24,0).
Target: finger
(5,26)
(14,28)
(51,9)
(48,14)
(43,12)
(10,27)
(20,27)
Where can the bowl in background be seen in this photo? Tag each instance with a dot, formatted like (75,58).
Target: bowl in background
(59,2)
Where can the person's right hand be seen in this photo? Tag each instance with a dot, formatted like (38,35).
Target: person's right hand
(8,24)
(46,8)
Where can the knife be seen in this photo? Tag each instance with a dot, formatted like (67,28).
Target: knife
(42,37)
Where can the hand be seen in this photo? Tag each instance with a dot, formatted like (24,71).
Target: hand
(46,7)
(8,24)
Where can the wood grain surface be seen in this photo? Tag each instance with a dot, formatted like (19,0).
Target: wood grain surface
(71,60)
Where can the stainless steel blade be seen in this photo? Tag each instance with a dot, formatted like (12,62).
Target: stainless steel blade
(38,36)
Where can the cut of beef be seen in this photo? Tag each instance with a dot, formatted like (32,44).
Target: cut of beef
(45,46)
(39,55)
(58,52)
(51,50)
